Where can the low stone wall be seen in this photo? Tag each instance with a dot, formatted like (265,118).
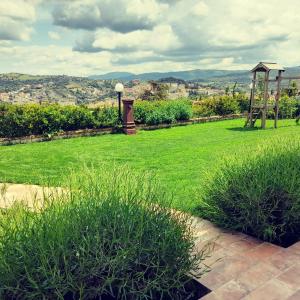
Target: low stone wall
(110,130)
(192,121)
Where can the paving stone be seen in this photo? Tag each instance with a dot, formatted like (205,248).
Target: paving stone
(263,251)
(228,239)
(244,245)
(231,291)
(295,296)
(257,275)
(210,296)
(291,277)
(213,280)
(232,266)
(283,259)
(295,248)
(217,257)
(272,290)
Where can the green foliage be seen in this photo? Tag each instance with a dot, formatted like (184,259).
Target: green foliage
(220,105)
(258,193)
(287,107)
(33,119)
(179,155)
(157,112)
(111,233)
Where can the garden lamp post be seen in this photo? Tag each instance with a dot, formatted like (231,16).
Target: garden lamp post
(119,88)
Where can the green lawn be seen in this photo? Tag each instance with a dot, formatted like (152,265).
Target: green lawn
(180,155)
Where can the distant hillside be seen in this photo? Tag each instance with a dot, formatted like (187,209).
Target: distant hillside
(113,76)
(241,76)
(184,75)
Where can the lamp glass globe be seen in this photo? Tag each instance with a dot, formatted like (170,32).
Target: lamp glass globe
(119,88)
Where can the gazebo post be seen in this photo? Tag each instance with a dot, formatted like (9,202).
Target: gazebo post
(252,98)
(278,94)
(265,104)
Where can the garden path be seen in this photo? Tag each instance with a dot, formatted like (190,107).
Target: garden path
(242,267)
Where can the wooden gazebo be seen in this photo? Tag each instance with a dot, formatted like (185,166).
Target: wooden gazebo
(260,107)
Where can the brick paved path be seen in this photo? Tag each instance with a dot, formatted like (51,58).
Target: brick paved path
(246,268)
(242,267)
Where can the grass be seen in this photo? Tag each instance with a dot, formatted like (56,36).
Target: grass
(102,238)
(258,192)
(179,156)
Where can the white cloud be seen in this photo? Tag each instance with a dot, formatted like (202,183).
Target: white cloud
(54,35)
(52,60)
(149,35)
(16,19)
(160,38)
(200,9)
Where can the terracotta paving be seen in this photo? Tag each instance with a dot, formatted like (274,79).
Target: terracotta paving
(242,267)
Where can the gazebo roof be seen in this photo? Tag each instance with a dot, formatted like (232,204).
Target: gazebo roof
(267,66)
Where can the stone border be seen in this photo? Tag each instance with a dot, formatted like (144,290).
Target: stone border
(192,121)
(109,130)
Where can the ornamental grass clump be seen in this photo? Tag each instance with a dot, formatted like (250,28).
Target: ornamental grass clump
(258,192)
(110,235)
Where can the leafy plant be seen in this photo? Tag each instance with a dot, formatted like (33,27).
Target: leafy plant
(258,192)
(220,105)
(33,119)
(110,235)
(157,112)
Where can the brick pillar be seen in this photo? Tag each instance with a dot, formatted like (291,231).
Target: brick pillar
(128,119)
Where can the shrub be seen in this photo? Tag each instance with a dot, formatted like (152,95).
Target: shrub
(204,108)
(258,193)
(226,105)
(33,119)
(157,112)
(287,107)
(110,235)
(220,105)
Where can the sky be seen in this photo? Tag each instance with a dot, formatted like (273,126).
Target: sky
(87,37)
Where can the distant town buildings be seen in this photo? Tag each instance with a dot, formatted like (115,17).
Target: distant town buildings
(74,90)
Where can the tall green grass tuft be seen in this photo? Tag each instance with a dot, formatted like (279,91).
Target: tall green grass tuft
(110,235)
(258,192)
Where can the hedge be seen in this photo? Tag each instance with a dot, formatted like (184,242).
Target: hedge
(220,105)
(34,119)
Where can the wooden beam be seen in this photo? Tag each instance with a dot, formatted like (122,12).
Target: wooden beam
(290,77)
(264,110)
(277,98)
(262,80)
(252,97)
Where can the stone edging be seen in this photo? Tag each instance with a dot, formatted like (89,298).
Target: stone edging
(109,130)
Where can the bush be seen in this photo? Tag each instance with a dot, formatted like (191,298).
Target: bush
(33,119)
(111,234)
(220,105)
(158,112)
(287,107)
(226,105)
(258,193)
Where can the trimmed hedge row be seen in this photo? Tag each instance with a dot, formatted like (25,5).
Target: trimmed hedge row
(34,119)
(220,105)
(159,112)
